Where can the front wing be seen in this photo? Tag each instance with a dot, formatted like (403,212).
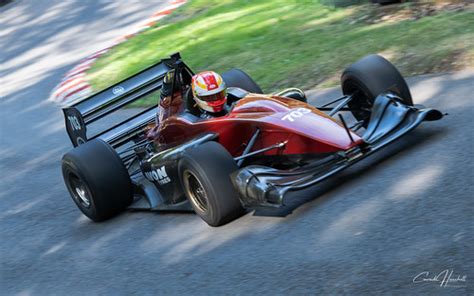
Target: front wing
(265,186)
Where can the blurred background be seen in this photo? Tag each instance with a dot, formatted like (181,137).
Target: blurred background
(300,43)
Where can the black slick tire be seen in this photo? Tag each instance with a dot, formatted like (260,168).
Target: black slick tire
(205,176)
(369,77)
(97,180)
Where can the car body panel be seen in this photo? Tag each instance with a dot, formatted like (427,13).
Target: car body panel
(304,128)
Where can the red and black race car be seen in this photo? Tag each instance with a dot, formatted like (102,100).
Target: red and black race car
(264,147)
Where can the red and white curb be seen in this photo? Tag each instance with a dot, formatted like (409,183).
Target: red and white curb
(73,87)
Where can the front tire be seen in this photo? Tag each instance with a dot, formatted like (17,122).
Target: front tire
(369,77)
(97,180)
(205,176)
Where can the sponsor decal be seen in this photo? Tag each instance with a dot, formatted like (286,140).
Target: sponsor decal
(118,90)
(80,141)
(158,175)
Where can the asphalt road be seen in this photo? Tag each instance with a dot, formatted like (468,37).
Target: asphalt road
(371,230)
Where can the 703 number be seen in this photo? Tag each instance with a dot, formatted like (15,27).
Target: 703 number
(298,113)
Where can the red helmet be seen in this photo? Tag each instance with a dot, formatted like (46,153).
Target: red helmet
(209,91)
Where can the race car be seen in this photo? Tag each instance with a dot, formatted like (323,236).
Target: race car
(264,147)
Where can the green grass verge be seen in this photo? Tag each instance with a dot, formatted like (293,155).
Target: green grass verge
(286,43)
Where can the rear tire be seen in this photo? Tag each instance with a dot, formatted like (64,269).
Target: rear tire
(369,77)
(238,78)
(97,180)
(205,177)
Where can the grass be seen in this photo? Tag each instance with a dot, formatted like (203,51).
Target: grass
(290,43)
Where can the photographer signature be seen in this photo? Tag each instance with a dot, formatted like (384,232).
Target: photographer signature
(445,278)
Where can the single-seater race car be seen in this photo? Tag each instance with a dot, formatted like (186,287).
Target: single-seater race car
(264,147)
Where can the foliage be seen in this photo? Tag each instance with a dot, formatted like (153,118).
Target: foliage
(284,43)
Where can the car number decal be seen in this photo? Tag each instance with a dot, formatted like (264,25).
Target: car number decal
(295,114)
(74,122)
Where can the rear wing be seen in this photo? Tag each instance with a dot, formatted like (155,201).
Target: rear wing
(80,115)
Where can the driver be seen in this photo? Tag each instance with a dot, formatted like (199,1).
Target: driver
(209,93)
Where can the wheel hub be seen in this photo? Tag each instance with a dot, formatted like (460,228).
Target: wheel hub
(195,191)
(80,192)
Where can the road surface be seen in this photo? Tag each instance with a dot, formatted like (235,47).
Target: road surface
(371,230)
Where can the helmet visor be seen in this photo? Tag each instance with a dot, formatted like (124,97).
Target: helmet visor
(214,98)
